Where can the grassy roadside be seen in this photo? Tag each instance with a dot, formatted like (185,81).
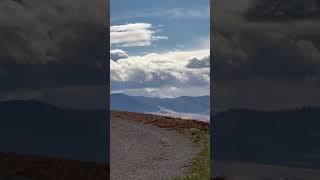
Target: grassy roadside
(200,168)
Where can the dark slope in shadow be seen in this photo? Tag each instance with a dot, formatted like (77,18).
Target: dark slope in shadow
(31,127)
(288,137)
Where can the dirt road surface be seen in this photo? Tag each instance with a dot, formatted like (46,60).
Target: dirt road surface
(143,151)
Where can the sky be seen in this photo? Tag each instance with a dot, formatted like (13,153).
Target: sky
(160,49)
(266,54)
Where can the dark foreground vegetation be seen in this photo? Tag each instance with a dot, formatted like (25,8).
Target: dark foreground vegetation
(44,168)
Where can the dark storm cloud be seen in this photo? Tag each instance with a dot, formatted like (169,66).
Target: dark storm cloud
(283,10)
(46,44)
(41,31)
(263,61)
(252,55)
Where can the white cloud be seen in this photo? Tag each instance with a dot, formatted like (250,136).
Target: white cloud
(156,38)
(129,27)
(158,71)
(117,54)
(135,34)
(203,62)
(117,73)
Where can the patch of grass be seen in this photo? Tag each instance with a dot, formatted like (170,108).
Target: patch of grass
(200,168)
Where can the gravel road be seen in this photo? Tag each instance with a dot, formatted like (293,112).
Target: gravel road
(146,152)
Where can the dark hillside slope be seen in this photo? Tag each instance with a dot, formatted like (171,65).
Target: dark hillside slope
(31,127)
(280,137)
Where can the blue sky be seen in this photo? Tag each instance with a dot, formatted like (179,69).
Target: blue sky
(185,23)
(153,44)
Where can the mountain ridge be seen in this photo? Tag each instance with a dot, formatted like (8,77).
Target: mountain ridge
(184,104)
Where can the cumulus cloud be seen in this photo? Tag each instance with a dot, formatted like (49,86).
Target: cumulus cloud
(135,34)
(203,62)
(117,54)
(158,71)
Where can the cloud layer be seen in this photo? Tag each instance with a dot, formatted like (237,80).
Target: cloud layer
(152,72)
(136,34)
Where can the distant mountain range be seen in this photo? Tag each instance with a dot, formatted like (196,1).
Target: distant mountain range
(185,106)
(284,137)
(32,127)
